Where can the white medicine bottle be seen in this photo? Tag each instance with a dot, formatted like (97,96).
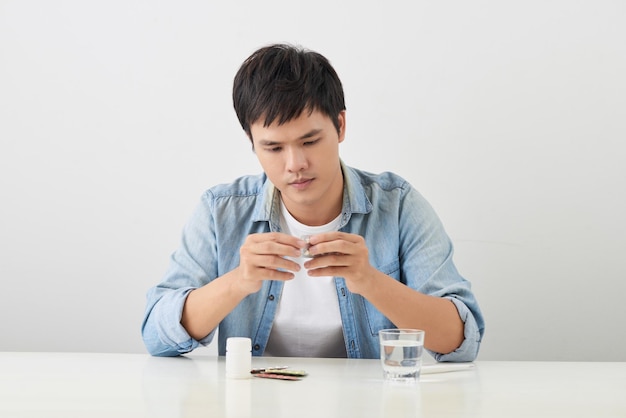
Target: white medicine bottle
(238,357)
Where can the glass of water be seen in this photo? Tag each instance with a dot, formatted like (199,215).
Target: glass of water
(401,354)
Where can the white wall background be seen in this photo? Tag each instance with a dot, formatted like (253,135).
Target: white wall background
(510,117)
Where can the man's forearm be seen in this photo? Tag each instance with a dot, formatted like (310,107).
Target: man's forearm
(206,306)
(408,308)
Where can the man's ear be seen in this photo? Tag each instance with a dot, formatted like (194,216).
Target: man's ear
(341,118)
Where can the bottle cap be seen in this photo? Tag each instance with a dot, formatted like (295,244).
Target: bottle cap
(238,344)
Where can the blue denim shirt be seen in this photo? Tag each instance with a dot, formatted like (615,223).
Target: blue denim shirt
(405,238)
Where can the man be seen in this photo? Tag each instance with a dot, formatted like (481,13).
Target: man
(312,257)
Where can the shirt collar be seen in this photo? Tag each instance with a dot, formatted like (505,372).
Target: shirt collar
(355,200)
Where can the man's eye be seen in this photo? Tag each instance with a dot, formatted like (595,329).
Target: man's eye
(308,143)
(274,149)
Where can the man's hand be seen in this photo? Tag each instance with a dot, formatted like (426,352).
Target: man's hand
(341,254)
(346,255)
(262,257)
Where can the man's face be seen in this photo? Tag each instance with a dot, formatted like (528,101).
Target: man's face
(301,158)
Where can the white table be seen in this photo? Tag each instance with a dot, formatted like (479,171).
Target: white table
(137,385)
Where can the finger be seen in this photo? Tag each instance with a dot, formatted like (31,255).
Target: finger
(251,262)
(278,237)
(335,236)
(269,268)
(273,262)
(270,249)
(340,271)
(271,274)
(327,260)
(278,244)
(337,247)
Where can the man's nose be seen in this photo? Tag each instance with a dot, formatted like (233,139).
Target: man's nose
(296,159)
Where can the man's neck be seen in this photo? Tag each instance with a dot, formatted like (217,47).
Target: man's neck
(316,215)
(312,217)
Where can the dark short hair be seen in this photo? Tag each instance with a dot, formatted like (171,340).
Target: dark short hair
(278,82)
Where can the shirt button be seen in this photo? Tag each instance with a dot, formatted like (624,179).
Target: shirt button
(271,297)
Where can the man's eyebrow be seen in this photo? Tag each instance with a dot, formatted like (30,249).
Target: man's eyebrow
(310,134)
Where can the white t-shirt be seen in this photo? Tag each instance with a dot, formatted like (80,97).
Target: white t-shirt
(307,321)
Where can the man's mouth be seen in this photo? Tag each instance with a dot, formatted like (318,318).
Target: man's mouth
(301,183)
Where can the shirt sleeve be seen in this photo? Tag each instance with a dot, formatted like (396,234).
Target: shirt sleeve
(162,331)
(189,269)
(429,268)
(468,350)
